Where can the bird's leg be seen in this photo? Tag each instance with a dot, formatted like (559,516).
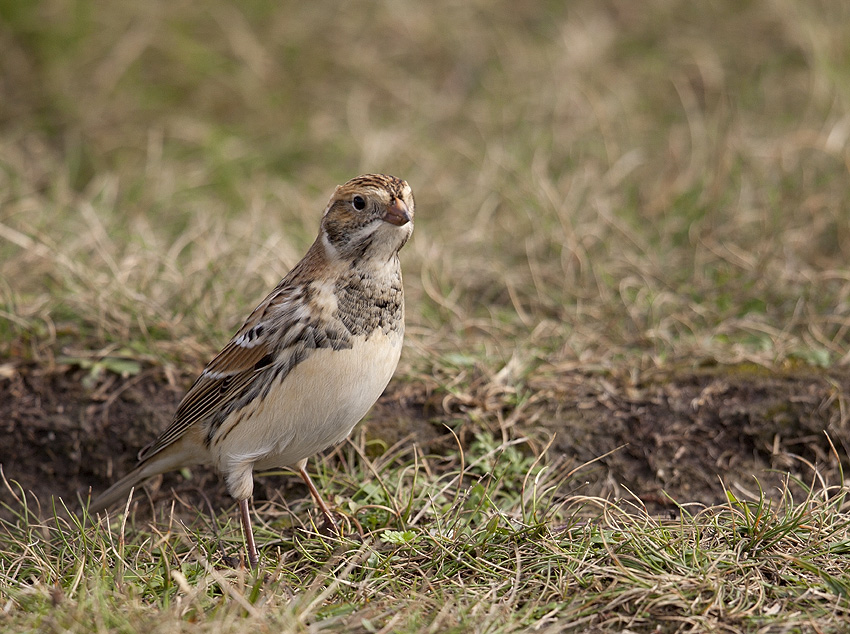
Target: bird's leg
(330,523)
(253,558)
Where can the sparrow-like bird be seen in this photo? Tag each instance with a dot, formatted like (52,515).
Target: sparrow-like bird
(307,364)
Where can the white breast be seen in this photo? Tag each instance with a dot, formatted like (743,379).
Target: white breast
(313,407)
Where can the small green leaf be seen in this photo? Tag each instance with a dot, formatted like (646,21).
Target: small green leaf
(399,538)
(121,366)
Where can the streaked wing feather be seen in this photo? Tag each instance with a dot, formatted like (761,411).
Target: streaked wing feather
(230,371)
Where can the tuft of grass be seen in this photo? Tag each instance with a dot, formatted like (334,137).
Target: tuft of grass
(493,543)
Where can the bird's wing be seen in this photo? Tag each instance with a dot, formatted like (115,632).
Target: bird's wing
(251,352)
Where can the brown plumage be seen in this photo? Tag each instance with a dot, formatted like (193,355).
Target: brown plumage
(309,361)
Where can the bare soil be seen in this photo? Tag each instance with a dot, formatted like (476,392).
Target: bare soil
(670,435)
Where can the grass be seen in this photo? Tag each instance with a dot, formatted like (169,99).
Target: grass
(593,183)
(488,546)
(598,185)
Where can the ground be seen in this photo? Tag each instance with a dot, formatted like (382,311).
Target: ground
(671,437)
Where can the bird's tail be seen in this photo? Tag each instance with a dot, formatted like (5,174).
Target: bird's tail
(172,458)
(120,489)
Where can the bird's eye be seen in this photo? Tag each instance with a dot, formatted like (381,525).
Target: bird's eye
(359,203)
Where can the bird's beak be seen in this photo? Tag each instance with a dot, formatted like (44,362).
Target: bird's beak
(397,213)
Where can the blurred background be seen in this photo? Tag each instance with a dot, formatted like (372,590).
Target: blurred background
(598,182)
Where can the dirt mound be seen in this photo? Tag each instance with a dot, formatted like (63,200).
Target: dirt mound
(671,434)
(680,435)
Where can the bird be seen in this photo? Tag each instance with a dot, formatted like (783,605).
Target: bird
(307,364)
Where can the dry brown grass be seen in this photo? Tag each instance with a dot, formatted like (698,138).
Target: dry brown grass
(592,182)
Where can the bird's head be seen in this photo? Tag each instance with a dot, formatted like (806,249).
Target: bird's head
(370,216)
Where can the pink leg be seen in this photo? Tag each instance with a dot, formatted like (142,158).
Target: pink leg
(326,511)
(253,558)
